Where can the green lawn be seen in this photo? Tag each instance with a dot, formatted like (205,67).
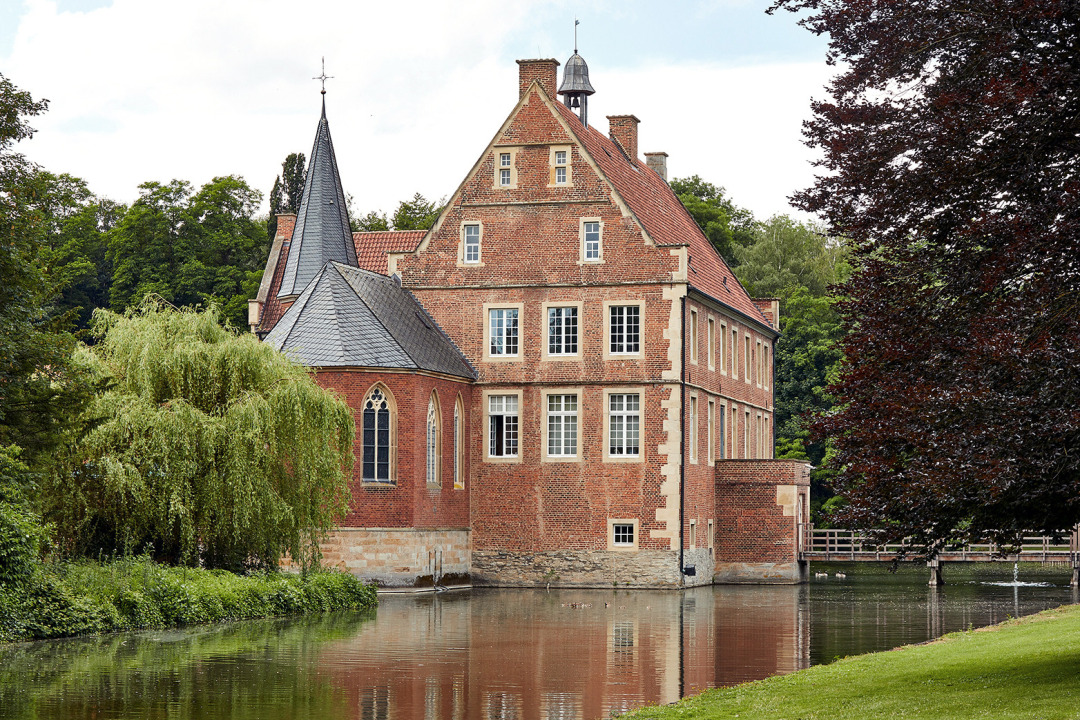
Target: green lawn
(1027,668)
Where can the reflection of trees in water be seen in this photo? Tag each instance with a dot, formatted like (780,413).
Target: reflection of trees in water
(226,671)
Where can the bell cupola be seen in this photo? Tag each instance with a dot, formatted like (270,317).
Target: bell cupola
(576,87)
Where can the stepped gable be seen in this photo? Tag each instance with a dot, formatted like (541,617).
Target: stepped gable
(372,247)
(663,216)
(350,317)
(322,233)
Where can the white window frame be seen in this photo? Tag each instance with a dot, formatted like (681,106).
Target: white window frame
(693,412)
(490,313)
(766,374)
(546,334)
(564,166)
(746,367)
(565,418)
(598,257)
(624,418)
(723,345)
(693,336)
(465,245)
(505,163)
(609,307)
(711,432)
(711,338)
(630,524)
(505,405)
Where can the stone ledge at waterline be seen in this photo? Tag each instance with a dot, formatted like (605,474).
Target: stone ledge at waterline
(589,568)
(1025,668)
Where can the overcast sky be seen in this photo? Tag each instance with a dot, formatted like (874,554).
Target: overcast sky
(157,89)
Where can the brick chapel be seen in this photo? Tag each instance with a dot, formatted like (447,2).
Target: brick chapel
(561,383)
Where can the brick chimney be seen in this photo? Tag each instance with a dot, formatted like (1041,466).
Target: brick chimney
(623,130)
(544,70)
(658,162)
(285,224)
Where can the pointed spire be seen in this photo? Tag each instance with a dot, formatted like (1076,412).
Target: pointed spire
(322,229)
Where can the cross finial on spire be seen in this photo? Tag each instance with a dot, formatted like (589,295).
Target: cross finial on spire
(576,23)
(323,77)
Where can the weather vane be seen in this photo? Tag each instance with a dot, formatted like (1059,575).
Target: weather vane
(324,77)
(576,23)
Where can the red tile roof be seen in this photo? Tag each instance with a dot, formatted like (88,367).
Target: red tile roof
(664,217)
(272,310)
(372,247)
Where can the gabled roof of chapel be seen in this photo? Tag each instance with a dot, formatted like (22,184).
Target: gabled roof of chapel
(322,231)
(372,247)
(350,317)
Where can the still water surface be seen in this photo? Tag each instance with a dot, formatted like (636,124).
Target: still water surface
(502,654)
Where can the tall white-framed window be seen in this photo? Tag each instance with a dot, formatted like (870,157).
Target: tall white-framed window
(591,240)
(560,167)
(624,329)
(711,339)
(734,353)
(562,330)
(693,337)
(710,429)
(459,444)
(561,172)
(377,436)
(758,364)
(434,440)
(721,431)
(721,347)
(624,425)
(471,243)
(747,446)
(734,430)
(503,332)
(693,429)
(766,374)
(502,426)
(746,359)
(562,425)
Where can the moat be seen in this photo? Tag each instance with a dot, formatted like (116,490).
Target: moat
(502,654)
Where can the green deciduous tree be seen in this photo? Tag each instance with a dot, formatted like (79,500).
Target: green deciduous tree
(40,389)
(416,214)
(190,248)
(207,446)
(372,222)
(726,225)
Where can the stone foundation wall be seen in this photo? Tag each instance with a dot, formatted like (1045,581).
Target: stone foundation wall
(759,573)
(587,568)
(400,557)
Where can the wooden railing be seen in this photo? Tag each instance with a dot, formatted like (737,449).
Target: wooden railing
(832,544)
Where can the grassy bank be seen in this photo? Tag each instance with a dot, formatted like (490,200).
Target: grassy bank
(1026,668)
(86,597)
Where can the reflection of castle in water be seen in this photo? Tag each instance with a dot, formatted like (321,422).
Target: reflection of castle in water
(563,654)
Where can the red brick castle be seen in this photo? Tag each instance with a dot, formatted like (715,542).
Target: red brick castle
(561,382)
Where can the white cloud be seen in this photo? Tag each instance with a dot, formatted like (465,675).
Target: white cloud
(147,90)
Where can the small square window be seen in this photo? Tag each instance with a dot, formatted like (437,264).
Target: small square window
(504,160)
(624,534)
(504,177)
(560,157)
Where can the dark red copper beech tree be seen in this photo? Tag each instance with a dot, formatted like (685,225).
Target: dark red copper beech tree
(951,158)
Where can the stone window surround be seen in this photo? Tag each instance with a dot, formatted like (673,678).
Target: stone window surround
(711,338)
(568,165)
(461,245)
(612,522)
(747,367)
(495,459)
(640,457)
(581,241)
(723,345)
(544,354)
(693,421)
(734,354)
(693,332)
(391,405)
(711,431)
(640,354)
(544,393)
(487,308)
(498,153)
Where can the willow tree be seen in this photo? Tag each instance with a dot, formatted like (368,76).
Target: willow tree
(204,446)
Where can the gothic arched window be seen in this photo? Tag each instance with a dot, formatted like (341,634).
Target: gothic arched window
(378,436)
(459,444)
(434,440)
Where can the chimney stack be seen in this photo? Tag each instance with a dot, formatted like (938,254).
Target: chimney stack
(658,162)
(623,130)
(545,70)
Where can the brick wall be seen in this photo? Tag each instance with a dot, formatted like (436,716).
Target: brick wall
(758,511)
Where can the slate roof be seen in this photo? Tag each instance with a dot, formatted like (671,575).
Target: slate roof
(372,247)
(350,317)
(322,231)
(663,216)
